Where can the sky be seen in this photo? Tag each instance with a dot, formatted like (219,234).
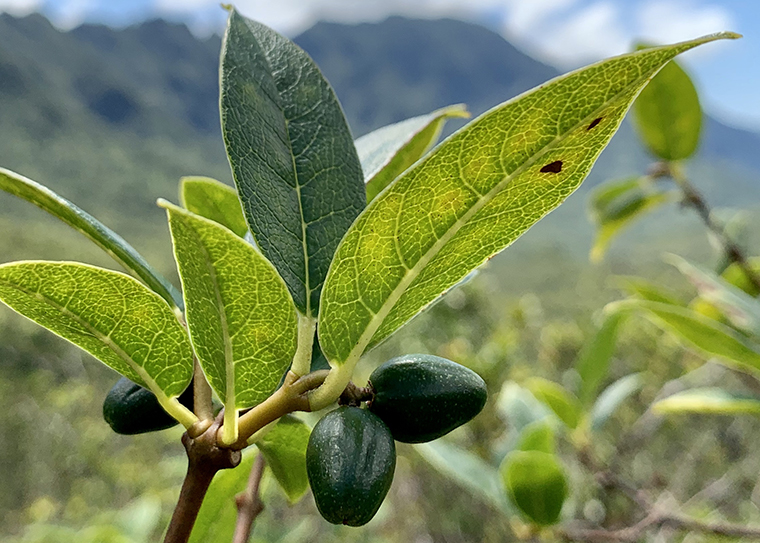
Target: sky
(563,33)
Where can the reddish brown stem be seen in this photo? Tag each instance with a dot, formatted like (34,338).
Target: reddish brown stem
(249,503)
(205,459)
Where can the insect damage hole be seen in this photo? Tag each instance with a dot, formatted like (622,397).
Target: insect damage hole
(552,167)
(594,123)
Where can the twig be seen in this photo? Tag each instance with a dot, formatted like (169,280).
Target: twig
(205,459)
(249,504)
(694,199)
(653,521)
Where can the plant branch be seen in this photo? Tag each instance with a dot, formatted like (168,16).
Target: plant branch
(249,503)
(291,396)
(205,459)
(634,533)
(694,199)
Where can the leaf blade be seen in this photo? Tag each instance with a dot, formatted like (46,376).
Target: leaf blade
(284,448)
(388,151)
(371,273)
(110,315)
(594,360)
(667,114)
(292,155)
(240,316)
(213,200)
(709,401)
(612,397)
(97,232)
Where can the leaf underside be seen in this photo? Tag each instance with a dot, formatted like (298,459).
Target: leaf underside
(241,318)
(215,201)
(472,196)
(97,232)
(292,155)
(108,314)
(284,448)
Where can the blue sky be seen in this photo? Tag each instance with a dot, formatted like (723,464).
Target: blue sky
(565,33)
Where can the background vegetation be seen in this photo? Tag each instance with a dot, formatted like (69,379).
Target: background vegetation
(112,118)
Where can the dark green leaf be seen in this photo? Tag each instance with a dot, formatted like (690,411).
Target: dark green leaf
(536,484)
(389,151)
(291,152)
(667,114)
(100,234)
(213,200)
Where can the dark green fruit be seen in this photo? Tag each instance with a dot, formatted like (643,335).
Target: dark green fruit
(423,397)
(131,409)
(350,461)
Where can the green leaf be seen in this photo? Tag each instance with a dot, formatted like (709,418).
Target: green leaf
(241,319)
(97,232)
(704,333)
(644,289)
(737,277)
(612,397)
(708,401)
(284,448)
(741,309)
(537,436)
(536,484)
(217,516)
(292,155)
(111,316)
(667,114)
(614,206)
(593,363)
(470,198)
(560,400)
(389,151)
(468,470)
(213,200)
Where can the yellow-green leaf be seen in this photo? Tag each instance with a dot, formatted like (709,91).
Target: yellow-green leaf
(241,318)
(594,360)
(284,448)
(471,197)
(213,200)
(708,401)
(389,151)
(110,315)
(537,436)
(704,333)
(81,221)
(560,400)
(536,483)
(614,206)
(667,114)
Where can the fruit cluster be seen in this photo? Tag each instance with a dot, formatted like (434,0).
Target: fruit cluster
(351,454)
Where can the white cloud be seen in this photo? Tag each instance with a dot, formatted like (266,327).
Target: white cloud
(523,17)
(19,7)
(668,21)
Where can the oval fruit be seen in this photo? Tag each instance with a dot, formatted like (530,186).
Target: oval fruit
(131,409)
(423,397)
(350,461)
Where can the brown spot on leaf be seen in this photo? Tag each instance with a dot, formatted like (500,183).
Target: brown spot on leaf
(594,123)
(552,167)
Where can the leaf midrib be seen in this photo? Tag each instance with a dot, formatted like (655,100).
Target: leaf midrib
(105,338)
(412,273)
(229,362)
